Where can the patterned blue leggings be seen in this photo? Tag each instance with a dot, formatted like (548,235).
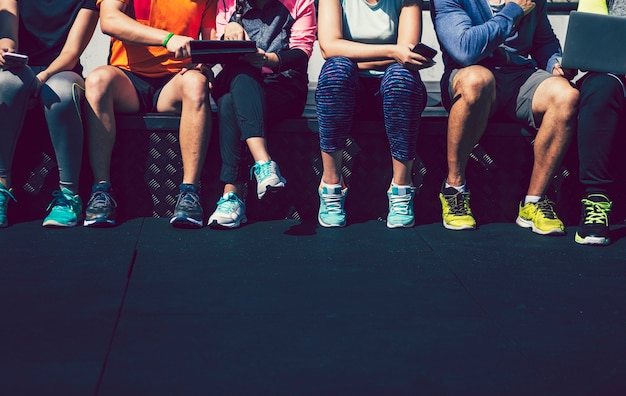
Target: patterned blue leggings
(340,90)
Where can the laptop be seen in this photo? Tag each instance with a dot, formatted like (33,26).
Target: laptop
(220,51)
(595,42)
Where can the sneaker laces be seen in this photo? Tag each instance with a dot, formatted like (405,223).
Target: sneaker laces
(188,200)
(61,200)
(400,203)
(458,203)
(332,203)
(101,199)
(226,204)
(546,207)
(597,212)
(262,171)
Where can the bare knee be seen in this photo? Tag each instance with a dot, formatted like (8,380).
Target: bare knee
(194,87)
(474,83)
(560,97)
(97,84)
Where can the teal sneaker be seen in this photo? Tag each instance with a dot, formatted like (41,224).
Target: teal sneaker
(401,207)
(65,210)
(267,176)
(332,212)
(5,195)
(230,212)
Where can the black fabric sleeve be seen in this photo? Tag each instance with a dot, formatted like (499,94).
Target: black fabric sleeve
(293,59)
(408,3)
(89,4)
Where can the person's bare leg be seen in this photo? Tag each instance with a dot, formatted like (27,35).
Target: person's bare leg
(555,106)
(107,90)
(188,93)
(402,172)
(475,88)
(332,168)
(258,149)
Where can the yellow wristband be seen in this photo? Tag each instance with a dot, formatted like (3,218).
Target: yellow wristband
(167,39)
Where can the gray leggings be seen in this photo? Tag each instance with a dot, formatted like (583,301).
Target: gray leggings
(61,99)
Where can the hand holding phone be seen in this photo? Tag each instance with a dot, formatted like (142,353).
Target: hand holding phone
(425,50)
(13,59)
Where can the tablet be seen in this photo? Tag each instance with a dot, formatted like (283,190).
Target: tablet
(220,51)
(595,42)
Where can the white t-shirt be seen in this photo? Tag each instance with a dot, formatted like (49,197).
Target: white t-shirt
(371,24)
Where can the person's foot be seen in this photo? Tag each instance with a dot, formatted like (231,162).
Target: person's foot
(230,212)
(101,208)
(188,211)
(456,211)
(5,195)
(267,176)
(540,217)
(593,228)
(401,207)
(65,210)
(332,199)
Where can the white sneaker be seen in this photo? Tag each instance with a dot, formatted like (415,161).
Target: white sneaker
(268,177)
(230,212)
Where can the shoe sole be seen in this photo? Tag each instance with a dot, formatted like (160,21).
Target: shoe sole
(411,224)
(529,224)
(99,223)
(56,224)
(214,225)
(271,190)
(326,225)
(185,222)
(458,228)
(589,240)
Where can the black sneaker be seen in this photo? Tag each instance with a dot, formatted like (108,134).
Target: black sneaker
(593,228)
(188,211)
(101,207)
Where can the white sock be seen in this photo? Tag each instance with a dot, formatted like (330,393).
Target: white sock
(532,198)
(460,188)
(331,185)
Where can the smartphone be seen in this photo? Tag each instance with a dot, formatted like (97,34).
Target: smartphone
(15,59)
(425,50)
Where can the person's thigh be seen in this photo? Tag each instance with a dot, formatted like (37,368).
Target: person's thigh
(285,95)
(170,97)
(117,85)
(520,89)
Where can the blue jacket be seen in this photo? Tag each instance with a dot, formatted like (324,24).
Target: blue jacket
(469,34)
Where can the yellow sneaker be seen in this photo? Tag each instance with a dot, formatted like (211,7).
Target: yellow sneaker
(540,217)
(457,214)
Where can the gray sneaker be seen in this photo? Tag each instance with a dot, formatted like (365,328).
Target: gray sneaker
(268,177)
(188,211)
(230,212)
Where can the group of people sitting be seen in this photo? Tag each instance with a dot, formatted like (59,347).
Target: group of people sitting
(500,57)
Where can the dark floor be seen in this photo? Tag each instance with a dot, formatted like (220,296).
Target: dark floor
(282,308)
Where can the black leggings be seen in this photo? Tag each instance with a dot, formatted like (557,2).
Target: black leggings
(247,102)
(600,116)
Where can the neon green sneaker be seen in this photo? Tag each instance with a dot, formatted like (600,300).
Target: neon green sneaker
(540,217)
(593,228)
(5,195)
(457,214)
(65,209)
